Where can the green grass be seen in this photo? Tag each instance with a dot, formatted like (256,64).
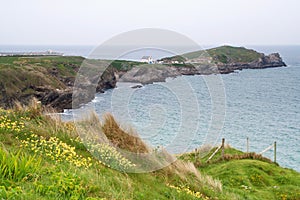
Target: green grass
(254,179)
(248,175)
(43,158)
(124,65)
(15,166)
(40,167)
(225,54)
(17,74)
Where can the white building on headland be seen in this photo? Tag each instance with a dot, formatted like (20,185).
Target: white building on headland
(147,59)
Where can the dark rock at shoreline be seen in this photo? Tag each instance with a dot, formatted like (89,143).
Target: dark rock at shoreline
(269,61)
(136,86)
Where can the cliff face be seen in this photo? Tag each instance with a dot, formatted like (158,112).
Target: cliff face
(50,80)
(264,61)
(272,60)
(51,97)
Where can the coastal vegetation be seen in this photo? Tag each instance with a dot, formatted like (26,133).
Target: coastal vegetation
(42,157)
(227,54)
(217,55)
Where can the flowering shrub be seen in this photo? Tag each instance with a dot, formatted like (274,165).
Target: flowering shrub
(56,150)
(11,125)
(109,156)
(187,190)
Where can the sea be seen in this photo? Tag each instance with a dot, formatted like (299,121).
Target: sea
(190,112)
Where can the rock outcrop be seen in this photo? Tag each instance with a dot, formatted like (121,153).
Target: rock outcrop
(150,73)
(264,61)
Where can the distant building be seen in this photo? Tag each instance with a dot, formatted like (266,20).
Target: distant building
(147,59)
(42,53)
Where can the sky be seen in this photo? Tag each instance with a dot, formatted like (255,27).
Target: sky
(91,22)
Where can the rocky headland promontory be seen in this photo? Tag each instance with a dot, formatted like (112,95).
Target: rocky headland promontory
(51,79)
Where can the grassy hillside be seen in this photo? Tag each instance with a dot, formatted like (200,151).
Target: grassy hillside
(43,158)
(226,54)
(223,54)
(22,78)
(18,73)
(249,175)
(255,179)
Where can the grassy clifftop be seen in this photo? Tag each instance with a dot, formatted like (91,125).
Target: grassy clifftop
(48,78)
(218,55)
(249,175)
(20,76)
(44,158)
(227,54)
(17,73)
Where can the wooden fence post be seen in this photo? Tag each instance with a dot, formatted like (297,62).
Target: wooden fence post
(223,146)
(275,152)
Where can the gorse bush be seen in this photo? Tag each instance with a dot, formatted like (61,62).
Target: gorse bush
(187,190)
(56,150)
(109,156)
(17,166)
(9,125)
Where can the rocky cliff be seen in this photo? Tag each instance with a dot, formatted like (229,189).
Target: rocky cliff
(51,79)
(48,79)
(149,73)
(264,61)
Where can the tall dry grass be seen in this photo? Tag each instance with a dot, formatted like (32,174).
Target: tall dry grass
(44,120)
(132,142)
(129,141)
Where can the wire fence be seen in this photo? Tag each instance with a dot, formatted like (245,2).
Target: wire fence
(222,147)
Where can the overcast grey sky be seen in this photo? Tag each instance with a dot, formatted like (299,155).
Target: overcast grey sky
(90,22)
